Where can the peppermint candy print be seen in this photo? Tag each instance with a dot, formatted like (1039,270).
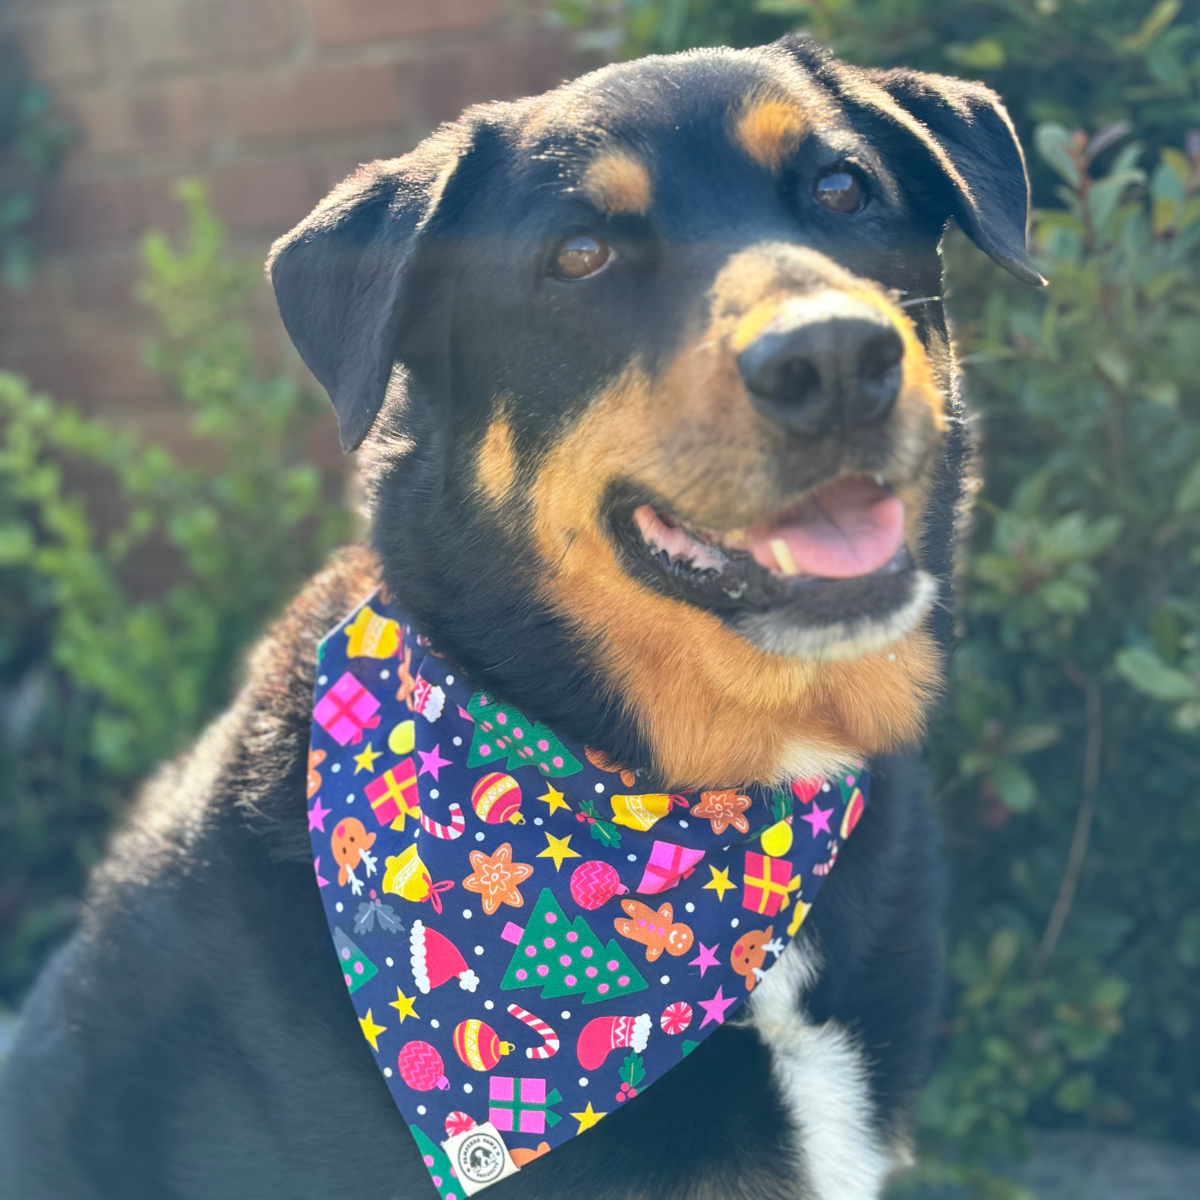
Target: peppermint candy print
(498,895)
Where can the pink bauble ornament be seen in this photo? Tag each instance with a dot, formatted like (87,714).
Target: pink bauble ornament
(594,883)
(421,1067)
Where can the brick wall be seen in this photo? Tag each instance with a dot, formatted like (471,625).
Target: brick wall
(271,101)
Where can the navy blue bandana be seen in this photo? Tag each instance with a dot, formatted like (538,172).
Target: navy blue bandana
(529,937)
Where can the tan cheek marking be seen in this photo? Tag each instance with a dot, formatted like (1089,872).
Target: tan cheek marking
(714,709)
(617,182)
(496,466)
(769,130)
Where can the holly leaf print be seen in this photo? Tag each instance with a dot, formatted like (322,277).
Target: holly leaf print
(633,1070)
(605,832)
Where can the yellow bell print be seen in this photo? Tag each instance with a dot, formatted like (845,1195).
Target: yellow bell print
(372,636)
(407,877)
(640,812)
(777,839)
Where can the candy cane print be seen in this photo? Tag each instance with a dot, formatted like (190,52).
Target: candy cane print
(446,832)
(550,1039)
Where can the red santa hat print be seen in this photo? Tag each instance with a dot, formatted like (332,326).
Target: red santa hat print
(435,959)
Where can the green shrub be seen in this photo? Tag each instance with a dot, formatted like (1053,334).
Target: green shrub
(98,681)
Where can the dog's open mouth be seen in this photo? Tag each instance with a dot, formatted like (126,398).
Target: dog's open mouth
(834,560)
(850,527)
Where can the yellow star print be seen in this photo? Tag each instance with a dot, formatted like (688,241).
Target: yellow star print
(587,1118)
(366,760)
(558,849)
(371,1031)
(554,798)
(403,1005)
(719,882)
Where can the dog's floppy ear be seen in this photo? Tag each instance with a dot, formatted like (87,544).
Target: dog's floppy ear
(339,276)
(961,129)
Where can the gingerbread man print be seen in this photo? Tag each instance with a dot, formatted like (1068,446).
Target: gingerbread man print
(750,952)
(350,844)
(657,931)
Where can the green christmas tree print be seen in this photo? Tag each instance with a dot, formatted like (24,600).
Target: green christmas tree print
(357,968)
(438,1166)
(503,733)
(566,958)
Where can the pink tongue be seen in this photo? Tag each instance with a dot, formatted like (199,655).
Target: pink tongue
(852,527)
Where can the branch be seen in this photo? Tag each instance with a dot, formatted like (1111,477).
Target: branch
(1083,819)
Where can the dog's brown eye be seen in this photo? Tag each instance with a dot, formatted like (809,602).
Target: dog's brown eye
(839,192)
(581,256)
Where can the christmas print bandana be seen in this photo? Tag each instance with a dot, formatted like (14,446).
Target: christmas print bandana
(529,935)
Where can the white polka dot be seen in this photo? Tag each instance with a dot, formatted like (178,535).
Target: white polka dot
(434,793)
(467,914)
(458,741)
(488,1004)
(385,674)
(566,1016)
(478,949)
(479,836)
(824,787)
(336,768)
(467,1087)
(421,1109)
(690,906)
(388,1072)
(434,1024)
(682,824)
(583,1082)
(449,680)
(322,678)
(632,857)
(537,820)
(389,962)
(665,979)
(734,923)
(338,906)
(349,797)
(599,787)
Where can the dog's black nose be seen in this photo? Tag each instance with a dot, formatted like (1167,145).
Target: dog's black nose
(827,360)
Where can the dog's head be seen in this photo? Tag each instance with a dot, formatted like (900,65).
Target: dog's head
(655,387)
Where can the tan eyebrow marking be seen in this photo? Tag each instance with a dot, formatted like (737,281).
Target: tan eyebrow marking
(618,182)
(769,128)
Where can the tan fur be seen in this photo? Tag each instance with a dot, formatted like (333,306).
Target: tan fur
(618,182)
(769,128)
(496,465)
(716,710)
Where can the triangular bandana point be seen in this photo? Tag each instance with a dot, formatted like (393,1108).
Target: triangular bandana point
(524,934)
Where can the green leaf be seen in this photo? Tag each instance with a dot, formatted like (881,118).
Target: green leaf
(1056,146)
(986,54)
(1014,786)
(1151,676)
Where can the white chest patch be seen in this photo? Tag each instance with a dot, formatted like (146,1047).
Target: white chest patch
(822,1074)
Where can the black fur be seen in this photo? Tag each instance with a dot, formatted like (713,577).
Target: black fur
(194,1037)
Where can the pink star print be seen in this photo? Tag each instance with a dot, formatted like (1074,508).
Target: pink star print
(432,761)
(317,868)
(818,819)
(708,958)
(714,1009)
(316,816)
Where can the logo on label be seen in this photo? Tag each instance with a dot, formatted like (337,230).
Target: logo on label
(480,1157)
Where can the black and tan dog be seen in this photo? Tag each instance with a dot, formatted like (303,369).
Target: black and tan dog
(656,405)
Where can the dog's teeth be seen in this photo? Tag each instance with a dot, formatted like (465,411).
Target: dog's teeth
(783,556)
